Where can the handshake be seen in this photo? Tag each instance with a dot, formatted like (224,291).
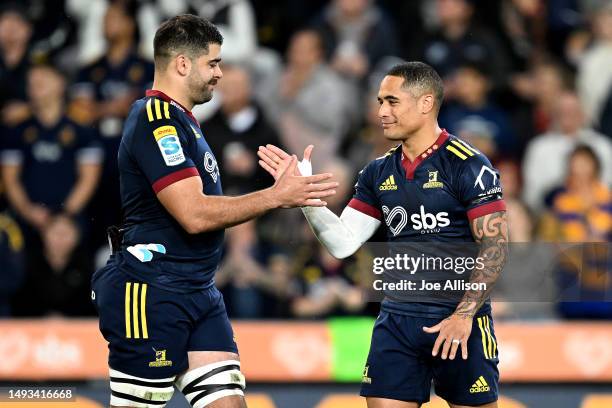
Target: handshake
(295,186)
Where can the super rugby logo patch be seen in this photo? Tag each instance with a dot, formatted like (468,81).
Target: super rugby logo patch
(169,145)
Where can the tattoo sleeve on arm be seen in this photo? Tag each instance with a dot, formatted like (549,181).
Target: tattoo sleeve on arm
(491,232)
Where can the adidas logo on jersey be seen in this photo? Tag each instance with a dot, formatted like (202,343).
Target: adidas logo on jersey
(479,386)
(388,184)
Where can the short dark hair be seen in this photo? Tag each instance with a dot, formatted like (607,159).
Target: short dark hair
(422,77)
(186,34)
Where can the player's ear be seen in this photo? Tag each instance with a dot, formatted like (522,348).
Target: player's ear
(183,64)
(427,103)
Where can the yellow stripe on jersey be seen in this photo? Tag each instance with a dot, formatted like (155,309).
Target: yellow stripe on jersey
(149,111)
(483,381)
(135,310)
(468,146)
(462,147)
(392,179)
(457,152)
(128,323)
(166,110)
(143,311)
(479,383)
(483,336)
(158,109)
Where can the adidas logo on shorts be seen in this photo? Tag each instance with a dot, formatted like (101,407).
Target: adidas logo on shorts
(479,386)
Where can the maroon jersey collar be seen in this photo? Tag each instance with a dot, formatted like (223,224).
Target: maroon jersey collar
(410,167)
(164,97)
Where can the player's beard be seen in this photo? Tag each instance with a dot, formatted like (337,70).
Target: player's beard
(200,92)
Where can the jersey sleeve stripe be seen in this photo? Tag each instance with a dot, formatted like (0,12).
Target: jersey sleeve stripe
(149,111)
(488,208)
(462,147)
(166,110)
(158,109)
(171,178)
(457,152)
(467,146)
(365,208)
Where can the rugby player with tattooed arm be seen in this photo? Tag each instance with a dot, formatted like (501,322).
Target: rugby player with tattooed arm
(432,187)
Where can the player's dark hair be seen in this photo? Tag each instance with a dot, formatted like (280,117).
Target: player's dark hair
(421,78)
(186,34)
(588,151)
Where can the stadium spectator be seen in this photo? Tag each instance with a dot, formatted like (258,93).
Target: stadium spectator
(236,131)
(510,177)
(594,80)
(520,294)
(310,103)
(240,271)
(235,19)
(458,39)
(58,277)
(15,34)
(356,34)
(11,262)
(103,94)
(368,142)
(541,88)
(89,16)
(546,155)
(50,163)
(473,116)
(522,25)
(581,212)
(325,285)
(254,282)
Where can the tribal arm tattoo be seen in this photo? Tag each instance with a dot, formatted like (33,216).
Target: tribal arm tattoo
(491,232)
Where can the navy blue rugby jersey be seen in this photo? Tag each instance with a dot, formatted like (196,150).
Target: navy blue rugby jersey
(49,157)
(432,199)
(162,144)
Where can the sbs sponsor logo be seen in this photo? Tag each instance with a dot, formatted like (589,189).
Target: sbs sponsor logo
(429,223)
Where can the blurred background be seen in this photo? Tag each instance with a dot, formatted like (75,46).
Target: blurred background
(528,82)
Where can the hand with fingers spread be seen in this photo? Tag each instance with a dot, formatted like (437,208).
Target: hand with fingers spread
(291,190)
(271,156)
(454,332)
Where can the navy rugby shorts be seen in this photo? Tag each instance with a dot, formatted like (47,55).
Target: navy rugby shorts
(400,365)
(150,330)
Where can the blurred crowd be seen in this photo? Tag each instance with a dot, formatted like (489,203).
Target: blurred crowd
(528,82)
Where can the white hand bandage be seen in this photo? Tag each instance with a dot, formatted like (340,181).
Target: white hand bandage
(305,167)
